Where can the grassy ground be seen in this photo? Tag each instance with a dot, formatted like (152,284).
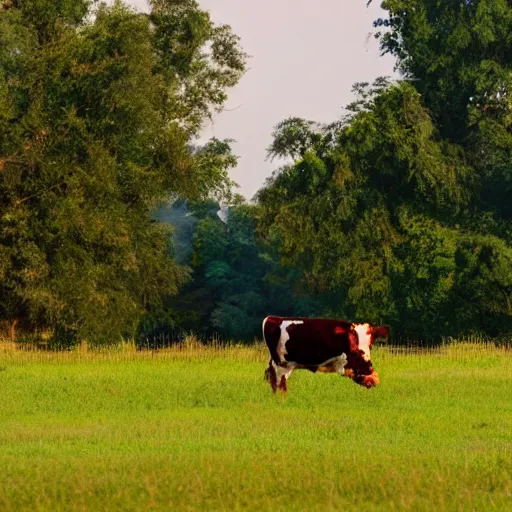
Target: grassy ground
(200,430)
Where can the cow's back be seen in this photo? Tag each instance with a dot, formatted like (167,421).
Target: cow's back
(315,341)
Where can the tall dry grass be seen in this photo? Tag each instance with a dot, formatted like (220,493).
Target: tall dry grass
(192,349)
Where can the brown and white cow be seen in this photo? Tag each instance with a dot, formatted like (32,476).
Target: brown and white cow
(322,345)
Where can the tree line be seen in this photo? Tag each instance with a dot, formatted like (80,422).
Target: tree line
(115,222)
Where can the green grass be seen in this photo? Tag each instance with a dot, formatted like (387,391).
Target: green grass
(199,429)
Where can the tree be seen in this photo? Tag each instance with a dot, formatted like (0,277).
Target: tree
(99,107)
(228,271)
(371,212)
(236,280)
(456,50)
(459,58)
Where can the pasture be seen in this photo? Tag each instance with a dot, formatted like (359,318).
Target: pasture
(197,428)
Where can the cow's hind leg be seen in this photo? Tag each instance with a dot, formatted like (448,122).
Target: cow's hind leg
(282,374)
(270,375)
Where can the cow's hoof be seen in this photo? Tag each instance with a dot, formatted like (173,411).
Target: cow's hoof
(349,373)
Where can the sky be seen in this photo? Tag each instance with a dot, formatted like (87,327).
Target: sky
(305,56)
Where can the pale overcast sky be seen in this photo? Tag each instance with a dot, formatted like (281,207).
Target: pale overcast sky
(305,56)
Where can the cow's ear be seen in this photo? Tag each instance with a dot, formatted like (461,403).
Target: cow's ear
(353,341)
(340,330)
(382,331)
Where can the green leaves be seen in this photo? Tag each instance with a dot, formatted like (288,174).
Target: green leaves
(400,212)
(442,46)
(98,111)
(197,60)
(370,213)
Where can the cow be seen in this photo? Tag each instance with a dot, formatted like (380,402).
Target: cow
(320,345)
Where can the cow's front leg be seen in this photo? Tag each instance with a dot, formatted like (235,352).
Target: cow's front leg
(270,375)
(339,364)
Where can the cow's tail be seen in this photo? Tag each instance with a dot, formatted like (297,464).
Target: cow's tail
(271,335)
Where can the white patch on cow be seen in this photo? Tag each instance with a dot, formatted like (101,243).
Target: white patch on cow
(281,346)
(364,339)
(283,370)
(339,363)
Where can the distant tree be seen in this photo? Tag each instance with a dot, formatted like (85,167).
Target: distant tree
(235,280)
(99,108)
(227,273)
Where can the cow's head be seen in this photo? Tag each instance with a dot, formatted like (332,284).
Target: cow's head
(359,366)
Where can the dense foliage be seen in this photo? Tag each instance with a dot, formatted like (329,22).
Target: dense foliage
(236,280)
(400,212)
(99,107)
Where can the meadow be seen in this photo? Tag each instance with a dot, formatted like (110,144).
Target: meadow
(197,428)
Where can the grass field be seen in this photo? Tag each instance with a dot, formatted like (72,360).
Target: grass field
(199,429)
